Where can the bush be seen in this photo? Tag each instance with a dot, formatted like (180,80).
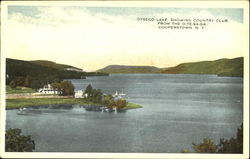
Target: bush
(120,103)
(233,145)
(207,146)
(15,142)
(13,84)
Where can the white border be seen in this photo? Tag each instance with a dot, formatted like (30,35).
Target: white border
(179,4)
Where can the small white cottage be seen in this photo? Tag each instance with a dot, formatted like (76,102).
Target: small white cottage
(79,94)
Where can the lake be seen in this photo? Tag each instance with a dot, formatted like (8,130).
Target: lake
(177,110)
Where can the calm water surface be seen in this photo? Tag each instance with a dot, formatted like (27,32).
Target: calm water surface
(177,110)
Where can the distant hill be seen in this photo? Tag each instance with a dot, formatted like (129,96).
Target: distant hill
(129,69)
(42,70)
(221,67)
(53,64)
(39,69)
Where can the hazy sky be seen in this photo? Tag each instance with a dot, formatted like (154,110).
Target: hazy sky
(94,37)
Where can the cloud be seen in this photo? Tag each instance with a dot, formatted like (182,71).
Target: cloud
(92,40)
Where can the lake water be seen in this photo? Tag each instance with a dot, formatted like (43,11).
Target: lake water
(177,110)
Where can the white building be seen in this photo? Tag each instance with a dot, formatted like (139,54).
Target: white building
(74,69)
(79,94)
(48,89)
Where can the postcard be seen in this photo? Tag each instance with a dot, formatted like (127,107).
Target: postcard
(124,79)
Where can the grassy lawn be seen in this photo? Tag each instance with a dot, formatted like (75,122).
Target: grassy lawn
(18,90)
(24,102)
(133,106)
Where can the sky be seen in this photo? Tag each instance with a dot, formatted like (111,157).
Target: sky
(91,38)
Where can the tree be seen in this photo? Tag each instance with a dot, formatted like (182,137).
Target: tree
(233,145)
(88,90)
(36,84)
(56,86)
(109,101)
(207,146)
(120,103)
(13,84)
(20,81)
(15,142)
(27,81)
(67,88)
(93,95)
(99,96)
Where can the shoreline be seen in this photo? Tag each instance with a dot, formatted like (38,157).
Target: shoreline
(36,102)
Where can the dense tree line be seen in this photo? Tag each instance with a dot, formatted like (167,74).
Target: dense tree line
(65,86)
(31,82)
(233,145)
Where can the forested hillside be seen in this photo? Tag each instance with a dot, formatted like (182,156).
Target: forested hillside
(221,67)
(129,69)
(36,73)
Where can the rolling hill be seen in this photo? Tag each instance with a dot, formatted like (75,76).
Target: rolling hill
(52,64)
(221,67)
(129,69)
(43,70)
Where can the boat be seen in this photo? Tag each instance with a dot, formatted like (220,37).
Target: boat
(119,94)
(25,111)
(122,94)
(105,109)
(22,109)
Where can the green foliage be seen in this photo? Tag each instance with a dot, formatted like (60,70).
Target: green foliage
(27,81)
(52,64)
(56,85)
(185,151)
(207,146)
(97,96)
(222,67)
(132,106)
(130,69)
(15,142)
(88,90)
(30,102)
(36,84)
(67,88)
(109,101)
(19,90)
(37,73)
(233,145)
(120,103)
(13,84)
(93,95)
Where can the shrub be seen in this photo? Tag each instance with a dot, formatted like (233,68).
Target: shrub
(15,142)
